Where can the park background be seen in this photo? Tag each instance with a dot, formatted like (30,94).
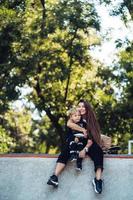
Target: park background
(54,53)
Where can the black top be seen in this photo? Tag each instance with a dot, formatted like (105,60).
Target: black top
(73,133)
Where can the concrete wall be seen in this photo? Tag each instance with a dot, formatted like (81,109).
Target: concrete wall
(25,177)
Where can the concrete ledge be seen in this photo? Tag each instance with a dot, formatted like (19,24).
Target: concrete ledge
(30,155)
(24,177)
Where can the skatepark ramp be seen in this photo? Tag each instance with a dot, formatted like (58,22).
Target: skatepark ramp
(24,177)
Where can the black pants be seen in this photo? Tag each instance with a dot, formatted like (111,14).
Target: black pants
(95,152)
(77,146)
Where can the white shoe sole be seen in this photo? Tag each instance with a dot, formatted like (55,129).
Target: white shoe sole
(53,183)
(78,169)
(94,185)
(73,160)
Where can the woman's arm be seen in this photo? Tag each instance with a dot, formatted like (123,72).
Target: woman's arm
(83,152)
(74,126)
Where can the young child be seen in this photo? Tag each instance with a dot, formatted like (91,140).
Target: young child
(75,139)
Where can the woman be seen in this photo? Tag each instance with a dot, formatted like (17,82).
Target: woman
(92,149)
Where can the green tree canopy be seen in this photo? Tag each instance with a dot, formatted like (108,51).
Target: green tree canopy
(46,45)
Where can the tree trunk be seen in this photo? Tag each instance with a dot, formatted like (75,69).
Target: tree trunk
(54,119)
(70,65)
(43,25)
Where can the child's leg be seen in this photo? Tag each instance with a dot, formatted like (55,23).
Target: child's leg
(73,146)
(73,150)
(80,146)
(79,164)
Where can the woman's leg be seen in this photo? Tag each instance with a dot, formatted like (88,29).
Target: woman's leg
(98,173)
(61,163)
(96,154)
(59,168)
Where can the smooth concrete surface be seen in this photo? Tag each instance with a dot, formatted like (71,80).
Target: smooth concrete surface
(24,178)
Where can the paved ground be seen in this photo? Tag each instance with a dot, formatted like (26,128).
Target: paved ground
(24,178)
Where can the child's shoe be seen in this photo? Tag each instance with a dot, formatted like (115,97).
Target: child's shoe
(79,166)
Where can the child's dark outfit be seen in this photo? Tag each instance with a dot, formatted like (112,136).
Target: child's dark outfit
(76,147)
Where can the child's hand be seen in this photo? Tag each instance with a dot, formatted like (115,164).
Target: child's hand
(76,140)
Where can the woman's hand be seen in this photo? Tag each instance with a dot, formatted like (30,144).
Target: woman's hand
(89,143)
(85,132)
(82,154)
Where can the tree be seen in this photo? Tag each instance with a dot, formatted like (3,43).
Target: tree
(10,18)
(18,124)
(121,9)
(122,114)
(53,53)
(47,48)
(6,142)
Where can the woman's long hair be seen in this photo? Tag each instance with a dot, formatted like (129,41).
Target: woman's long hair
(93,127)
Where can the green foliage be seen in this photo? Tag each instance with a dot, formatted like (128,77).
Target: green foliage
(124,8)
(9,33)
(45,45)
(18,124)
(17,5)
(122,115)
(44,135)
(6,142)
(53,62)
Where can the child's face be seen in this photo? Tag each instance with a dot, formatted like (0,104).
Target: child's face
(76,117)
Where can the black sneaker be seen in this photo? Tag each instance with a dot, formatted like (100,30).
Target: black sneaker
(97,185)
(73,157)
(79,166)
(53,181)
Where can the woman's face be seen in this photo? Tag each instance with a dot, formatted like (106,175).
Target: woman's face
(81,108)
